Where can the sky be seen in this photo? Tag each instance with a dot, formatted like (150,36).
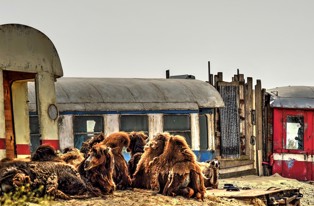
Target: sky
(270,40)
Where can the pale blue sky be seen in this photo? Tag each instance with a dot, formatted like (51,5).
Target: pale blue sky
(271,40)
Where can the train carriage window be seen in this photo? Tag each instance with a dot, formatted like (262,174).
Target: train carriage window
(84,127)
(34,132)
(203,132)
(178,125)
(129,123)
(294,132)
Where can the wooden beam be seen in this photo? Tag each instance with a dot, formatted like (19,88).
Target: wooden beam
(259,123)
(248,117)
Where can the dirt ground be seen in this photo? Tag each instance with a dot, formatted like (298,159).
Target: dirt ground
(138,197)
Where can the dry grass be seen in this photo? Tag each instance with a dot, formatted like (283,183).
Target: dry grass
(139,197)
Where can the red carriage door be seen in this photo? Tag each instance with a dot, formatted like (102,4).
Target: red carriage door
(297,144)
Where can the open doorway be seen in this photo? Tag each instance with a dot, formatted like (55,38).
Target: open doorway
(16,112)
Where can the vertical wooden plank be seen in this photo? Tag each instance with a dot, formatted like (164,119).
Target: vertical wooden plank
(211,131)
(267,142)
(215,83)
(217,133)
(259,162)
(210,76)
(2,118)
(248,117)
(259,121)
(242,117)
(217,78)
(241,78)
(9,130)
(220,76)
(269,127)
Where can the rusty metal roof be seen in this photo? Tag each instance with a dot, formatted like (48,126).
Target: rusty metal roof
(132,94)
(292,97)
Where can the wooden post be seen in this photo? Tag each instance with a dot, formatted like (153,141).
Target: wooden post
(217,78)
(2,117)
(167,74)
(248,117)
(220,76)
(259,123)
(9,127)
(210,76)
(241,106)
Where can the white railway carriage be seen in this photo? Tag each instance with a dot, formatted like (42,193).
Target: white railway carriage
(87,106)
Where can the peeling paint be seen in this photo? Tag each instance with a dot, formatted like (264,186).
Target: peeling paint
(291,163)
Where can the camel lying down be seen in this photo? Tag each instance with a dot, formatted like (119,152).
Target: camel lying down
(58,180)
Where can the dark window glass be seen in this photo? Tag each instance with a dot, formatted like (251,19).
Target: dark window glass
(84,127)
(178,125)
(203,132)
(295,132)
(34,124)
(129,123)
(34,132)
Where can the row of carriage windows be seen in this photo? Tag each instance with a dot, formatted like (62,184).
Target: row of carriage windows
(84,127)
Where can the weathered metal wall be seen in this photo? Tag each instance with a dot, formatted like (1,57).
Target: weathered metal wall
(66,131)
(195,131)
(112,123)
(155,124)
(229,118)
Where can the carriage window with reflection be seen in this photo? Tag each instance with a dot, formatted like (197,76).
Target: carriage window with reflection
(34,132)
(203,132)
(84,127)
(295,132)
(178,125)
(130,123)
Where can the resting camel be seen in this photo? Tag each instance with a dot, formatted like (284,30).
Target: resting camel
(145,171)
(117,141)
(178,170)
(59,180)
(210,169)
(97,169)
(136,148)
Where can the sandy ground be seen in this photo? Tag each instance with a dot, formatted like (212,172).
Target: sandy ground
(138,197)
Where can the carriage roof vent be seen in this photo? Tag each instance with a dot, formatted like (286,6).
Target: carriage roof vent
(184,76)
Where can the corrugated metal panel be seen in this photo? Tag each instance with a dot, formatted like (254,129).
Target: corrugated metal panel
(229,122)
(116,94)
(292,97)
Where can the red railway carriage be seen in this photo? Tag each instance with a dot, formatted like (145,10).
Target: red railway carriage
(293,132)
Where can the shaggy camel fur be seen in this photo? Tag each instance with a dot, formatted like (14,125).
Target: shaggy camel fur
(97,169)
(145,175)
(136,148)
(59,180)
(210,169)
(178,163)
(117,141)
